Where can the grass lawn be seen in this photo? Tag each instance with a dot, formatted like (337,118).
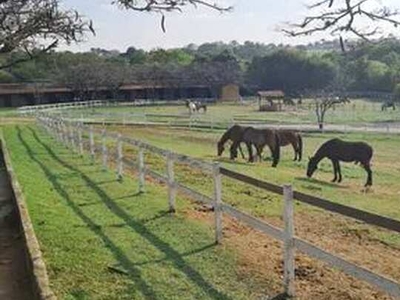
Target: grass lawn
(357,112)
(86,221)
(382,198)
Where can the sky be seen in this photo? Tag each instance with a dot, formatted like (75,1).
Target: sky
(253,20)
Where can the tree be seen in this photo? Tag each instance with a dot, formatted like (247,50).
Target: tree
(290,71)
(162,6)
(346,16)
(36,27)
(325,101)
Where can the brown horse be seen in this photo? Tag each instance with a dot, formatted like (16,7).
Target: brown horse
(259,138)
(291,137)
(234,134)
(337,150)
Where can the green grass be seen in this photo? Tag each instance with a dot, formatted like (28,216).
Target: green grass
(86,221)
(381,199)
(357,112)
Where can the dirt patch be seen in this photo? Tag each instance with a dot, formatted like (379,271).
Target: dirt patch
(261,257)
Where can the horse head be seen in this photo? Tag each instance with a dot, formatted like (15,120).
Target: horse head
(312,166)
(220,148)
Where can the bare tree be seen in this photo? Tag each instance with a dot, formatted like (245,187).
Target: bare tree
(36,27)
(341,16)
(325,101)
(162,6)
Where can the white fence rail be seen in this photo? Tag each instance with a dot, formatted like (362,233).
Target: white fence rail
(67,133)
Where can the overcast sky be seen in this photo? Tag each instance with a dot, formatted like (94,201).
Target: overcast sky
(254,20)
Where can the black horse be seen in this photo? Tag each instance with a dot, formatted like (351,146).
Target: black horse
(388,104)
(337,150)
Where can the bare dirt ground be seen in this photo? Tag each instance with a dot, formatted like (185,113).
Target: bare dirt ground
(261,257)
(14,277)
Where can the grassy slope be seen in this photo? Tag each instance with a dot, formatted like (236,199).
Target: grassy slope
(86,221)
(381,199)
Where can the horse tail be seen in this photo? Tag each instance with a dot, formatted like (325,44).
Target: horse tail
(277,152)
(300,146)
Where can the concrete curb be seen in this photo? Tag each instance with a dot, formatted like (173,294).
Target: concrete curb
(35,262)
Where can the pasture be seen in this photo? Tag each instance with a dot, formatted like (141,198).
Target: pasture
(357,112)
(137,250)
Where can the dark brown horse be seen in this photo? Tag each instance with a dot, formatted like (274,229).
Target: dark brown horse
(234,134)
(259,138)
(337,150)
(291,137)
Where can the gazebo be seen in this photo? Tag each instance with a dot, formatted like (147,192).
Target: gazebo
(270,96)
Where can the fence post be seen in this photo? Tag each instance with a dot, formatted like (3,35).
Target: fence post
(80,141)
(104,148)
(289,250)
(119,157)
(71,136)
(141,170)
(217,203)
(171,183)
(91,142)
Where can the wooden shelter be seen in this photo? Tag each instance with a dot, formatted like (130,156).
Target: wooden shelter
(274,100)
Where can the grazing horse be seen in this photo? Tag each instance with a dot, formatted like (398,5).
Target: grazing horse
(195,106)
(337,150)
(191,106)
(291,137)
(259,138)
(200,105)
(387,105)
(234,133)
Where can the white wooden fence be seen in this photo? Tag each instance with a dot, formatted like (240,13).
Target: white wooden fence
(70,133)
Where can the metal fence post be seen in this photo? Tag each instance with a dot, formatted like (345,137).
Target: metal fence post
(217,203)
(289,249)
(119,157)
(104,148)
(141,170)
(91,142)
(171,183)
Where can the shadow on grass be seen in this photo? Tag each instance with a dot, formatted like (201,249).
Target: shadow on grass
(171,254)
(320,182)
(135,273)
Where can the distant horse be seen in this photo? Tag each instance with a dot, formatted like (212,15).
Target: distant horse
(259,138)
(195,106)
(291,137)
(337,150)
(234,133)
(387,105)
(200,105)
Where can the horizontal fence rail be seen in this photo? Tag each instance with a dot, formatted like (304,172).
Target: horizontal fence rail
(80,138)
(357,214)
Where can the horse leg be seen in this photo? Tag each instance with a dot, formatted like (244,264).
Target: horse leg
(339,171)
(296,151)
(250,149)
(334,170)
(241,151)
(369,172)
(259,152)
(233,150)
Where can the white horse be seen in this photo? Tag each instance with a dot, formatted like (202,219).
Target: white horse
(192,107)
